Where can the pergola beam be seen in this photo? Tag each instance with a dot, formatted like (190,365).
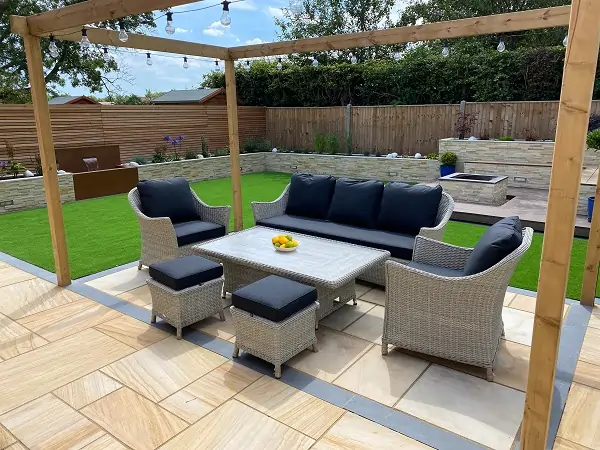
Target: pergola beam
(500,23)
(94,11)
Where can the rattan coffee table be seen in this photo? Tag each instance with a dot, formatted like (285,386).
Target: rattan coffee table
(330,266)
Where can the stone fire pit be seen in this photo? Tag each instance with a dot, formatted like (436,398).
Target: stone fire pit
(475,188)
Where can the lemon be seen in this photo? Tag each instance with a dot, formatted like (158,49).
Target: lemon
(283,240)
(277,244)
(289,244)
(288,237)
(295,243)
(275,240)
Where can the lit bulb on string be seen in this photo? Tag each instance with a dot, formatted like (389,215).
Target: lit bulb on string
(122,33)
(247,66)
(279,65)
(353,58)
(148,59)
(185,62)
(85,41)
(225,17)
(296,6)
(501,46)
(217,66)
(169,28)
(53,48)
(315,63)
(397,56)
(445,50)
(106,55)
(565,40)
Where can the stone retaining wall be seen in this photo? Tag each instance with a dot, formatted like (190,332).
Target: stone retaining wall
(532,176)
(474,192)
(28,193)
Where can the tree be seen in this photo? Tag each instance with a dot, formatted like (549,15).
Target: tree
(130,99)
(79,68)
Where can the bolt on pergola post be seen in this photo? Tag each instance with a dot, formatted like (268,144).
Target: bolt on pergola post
(580,63)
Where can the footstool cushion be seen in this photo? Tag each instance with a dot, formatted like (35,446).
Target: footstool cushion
(185,272)
(274,298)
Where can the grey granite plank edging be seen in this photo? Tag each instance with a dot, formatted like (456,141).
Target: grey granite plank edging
(28,267)
(106,272)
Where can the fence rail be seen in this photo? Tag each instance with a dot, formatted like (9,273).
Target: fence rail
(413,128)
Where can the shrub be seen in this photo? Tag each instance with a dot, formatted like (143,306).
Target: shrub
(506,138)
(593,139)
(222,151)
(366,152)
(378,153)
(160,153)
(320,143)
(594,122)
(485,136)
(432,156)
(190,155)
(256,145)
(37,164)
(464,124)
(332,144)
(448,159)
(204,148)
(141,160)
(531,135)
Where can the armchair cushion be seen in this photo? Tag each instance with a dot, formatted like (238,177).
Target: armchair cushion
(196,231)
(407,209)
(170,198)
(499,241)
(185,272)
(436,270)
(356,202)
(310,195)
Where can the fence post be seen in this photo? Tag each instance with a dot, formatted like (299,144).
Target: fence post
(461,116)
(348,130)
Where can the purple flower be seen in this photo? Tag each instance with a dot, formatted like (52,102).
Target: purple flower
(180,138)
(167,138)
(174,142)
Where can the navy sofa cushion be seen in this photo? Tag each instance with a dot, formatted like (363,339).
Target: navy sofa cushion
(497,243)
(356,202)
(436,270)
(185,272)
(407,209)
(197,230)
(399,245)
(310,195)
(170,198)
(274,298)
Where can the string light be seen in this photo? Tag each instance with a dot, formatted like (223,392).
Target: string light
(296,6)
(397,56)
(315,63)
(85,41)
(445,50)
(247,66)
(169,28)
(217,66)
(148,59)
(52,47)
(122,33)
(225,17)
(185,62)
(565,40)
(501,45)
(106,55)
(279,65)
(353,58)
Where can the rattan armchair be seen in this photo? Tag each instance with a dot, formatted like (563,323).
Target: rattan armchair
(455,318)
(159,241)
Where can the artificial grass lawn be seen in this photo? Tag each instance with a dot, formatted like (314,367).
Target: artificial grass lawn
(104,233)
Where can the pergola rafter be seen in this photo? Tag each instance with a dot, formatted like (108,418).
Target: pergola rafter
(576,95)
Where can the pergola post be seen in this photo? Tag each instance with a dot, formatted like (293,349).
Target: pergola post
(234,144)
(571,129)
(41,110)
(592,258)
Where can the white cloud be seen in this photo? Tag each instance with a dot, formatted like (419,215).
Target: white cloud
(237,39)
(254,41)
(275,12)
(215,29)
(182,30)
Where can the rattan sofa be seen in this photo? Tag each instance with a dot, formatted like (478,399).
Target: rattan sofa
(455,318)
(158,234)
(376,275)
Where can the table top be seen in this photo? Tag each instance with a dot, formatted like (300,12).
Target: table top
(323,261)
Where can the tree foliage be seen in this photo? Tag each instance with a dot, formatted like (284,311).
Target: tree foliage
(81,69)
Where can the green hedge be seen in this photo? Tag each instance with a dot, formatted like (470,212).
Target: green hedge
(423,76)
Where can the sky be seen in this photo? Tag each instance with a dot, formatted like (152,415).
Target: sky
(252,22)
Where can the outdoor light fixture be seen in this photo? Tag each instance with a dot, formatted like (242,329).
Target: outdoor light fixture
(501,46)
(566,40)
(225,17)
(122,33)
(106,55)
(315,63)
(52,47)
(279,65)
(169,28)
(185,63)
(247,66)
(148,59)
(445,50)
(353,59)
(217,66)
(85,42)
(397,56)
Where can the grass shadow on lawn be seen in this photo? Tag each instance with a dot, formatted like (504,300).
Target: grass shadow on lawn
(104,232)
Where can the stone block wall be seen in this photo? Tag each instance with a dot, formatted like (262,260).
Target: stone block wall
(387,169)
(28,193)
(535,176)
(473,192)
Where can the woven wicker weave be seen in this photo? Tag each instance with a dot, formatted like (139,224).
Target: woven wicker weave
(188,306)
(460,318)
(376,274)
(159,242)
(275,342)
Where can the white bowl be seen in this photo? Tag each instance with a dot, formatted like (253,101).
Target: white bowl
(285,249)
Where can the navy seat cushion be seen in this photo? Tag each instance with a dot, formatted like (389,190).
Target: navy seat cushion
(170,198)
(274,298)
(500,240)
(399,245)
(197,230)
(310,195)
(436,270)
(185,272)
(356,202)
(407,209)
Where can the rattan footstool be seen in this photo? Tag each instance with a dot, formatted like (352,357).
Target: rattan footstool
(275,319)
(186,290)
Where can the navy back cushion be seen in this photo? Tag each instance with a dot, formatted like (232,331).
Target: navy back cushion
(500,240)
(407,209)
(356,202)
(310,195)
(170,198)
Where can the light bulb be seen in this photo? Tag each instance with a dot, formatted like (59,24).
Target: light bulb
(53,48)
(169,28)
(353,59)
(315,63)
(185,63)
(106,55)
(279,65)
(225,17)
(501,46)
(445,51)
(397,56)
(247,66)
(85,42)
(122,33)
(217,67)
(296,6)
(565,40)
(148,59)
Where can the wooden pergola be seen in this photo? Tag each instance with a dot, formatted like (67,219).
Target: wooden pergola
(583,20)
